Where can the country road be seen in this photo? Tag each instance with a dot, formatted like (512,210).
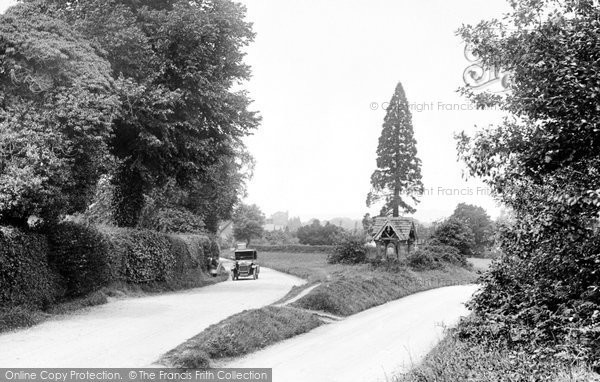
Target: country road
(367,347)
(134,332)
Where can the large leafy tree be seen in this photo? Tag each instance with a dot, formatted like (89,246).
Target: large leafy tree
(176,64)
(398,170)
(543,162)
(57,104)
(456,233)
(248,222)
(478,221)
(318,234)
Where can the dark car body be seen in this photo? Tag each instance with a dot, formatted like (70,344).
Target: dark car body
(245,264)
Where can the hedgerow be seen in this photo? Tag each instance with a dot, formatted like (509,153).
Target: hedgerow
(73,260)
(25,277)
(300,248)
(80,256)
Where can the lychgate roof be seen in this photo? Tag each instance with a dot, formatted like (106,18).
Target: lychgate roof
(401,226)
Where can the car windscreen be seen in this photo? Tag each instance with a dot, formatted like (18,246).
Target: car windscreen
(244,255)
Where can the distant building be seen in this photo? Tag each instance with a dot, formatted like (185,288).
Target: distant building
(277,222)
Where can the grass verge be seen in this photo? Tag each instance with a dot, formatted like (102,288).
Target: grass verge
(344,290)
(456,360)
(358,288)
(240,334)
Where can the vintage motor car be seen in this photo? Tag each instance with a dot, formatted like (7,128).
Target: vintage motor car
(245,264)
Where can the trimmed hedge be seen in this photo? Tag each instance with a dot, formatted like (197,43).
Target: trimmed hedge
(300,248)
(25,277)
(139,256)
(143,256)
(73,260)
(80,256)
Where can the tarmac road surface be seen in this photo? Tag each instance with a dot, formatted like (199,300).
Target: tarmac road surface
(134,332)
(370,346)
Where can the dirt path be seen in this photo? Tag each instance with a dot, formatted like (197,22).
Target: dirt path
(135,332)
(369,346)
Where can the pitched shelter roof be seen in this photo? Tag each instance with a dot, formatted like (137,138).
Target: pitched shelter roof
(401,226)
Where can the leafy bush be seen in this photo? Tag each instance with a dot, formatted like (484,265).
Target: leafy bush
(18,317)
(455,359)
(25,278)
(278,238)
(436,256)
(447,254)
(422,259)
(317,234)
(79,254)
(456,233)
(350,249)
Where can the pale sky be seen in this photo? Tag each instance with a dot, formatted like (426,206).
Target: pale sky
(320,68)
(319,64)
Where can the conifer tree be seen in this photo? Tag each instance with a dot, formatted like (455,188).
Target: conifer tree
(398,173)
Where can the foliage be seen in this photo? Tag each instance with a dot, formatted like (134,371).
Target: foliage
(248,222)
(79,254)
(422,259)
(398,167)
(543,164)
(349,250)
(278,238)
(457,359)
(140,256)
(175,67)
(100,211)
(435,256)
(367,223)
(18,317)
(25,278)
(241,334)
(317,234)
(163,212)
(455,233)
(57,102)
(479,222)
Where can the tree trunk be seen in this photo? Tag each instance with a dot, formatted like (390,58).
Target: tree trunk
(395,202)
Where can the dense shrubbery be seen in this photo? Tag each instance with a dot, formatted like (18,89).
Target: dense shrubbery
(74,260)
(542,163)
(435,256)
(300,248)
(456,233)
(422,259)
(143,256)
(349,250)
(455,360)
(80,256)
(25,278)
(317,234)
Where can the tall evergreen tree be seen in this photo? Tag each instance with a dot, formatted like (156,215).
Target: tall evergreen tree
(398,168)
